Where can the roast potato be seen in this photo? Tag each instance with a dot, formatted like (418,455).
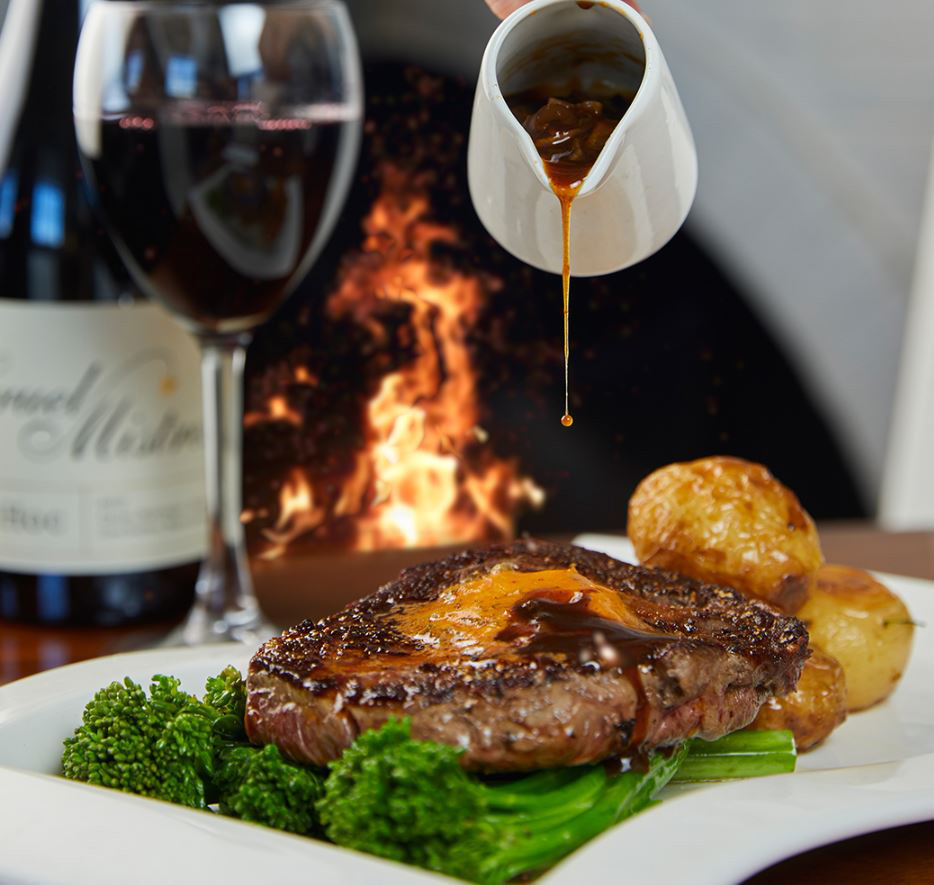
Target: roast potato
(726,521)
(865,626)
(814,709)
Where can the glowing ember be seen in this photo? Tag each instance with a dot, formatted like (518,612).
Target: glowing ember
(303,376)
(277,409)
(423,476)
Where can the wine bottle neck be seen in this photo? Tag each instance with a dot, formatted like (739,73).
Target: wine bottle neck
(58,27)
(37,58)
(51,247)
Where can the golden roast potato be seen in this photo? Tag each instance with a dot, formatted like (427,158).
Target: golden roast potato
(865,626)
(726,521)
(814,709)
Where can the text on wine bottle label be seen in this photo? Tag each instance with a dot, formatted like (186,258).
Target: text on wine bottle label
(100,439)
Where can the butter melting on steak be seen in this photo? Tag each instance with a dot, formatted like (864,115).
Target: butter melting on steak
(529,655)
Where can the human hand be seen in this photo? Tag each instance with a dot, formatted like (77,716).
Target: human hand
(503,7)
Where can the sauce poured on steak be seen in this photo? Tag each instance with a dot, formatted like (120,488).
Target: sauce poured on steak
(563,622)
(508,613)
(528,656)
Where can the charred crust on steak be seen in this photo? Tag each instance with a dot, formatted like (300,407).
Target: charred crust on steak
(648,668)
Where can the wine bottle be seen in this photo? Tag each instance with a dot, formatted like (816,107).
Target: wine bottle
(102,517)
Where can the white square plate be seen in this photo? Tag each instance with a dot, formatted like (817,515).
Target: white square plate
(876,771)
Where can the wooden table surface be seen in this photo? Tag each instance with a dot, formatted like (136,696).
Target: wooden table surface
(298,587)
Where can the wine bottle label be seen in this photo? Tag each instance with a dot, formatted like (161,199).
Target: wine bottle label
(100,439)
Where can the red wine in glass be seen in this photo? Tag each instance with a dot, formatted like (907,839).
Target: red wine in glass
(216,218)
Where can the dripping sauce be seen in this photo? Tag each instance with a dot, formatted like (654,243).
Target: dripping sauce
(569,126)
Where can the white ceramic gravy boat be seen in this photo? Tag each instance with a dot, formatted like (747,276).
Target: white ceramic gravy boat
(641,187)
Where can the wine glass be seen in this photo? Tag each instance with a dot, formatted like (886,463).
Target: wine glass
(219,140)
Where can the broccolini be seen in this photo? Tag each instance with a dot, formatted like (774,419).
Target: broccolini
(387,794)
(226,693)
(258,784)
(162,745)
(411,801)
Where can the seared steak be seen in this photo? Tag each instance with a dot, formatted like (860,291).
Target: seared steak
(528,656)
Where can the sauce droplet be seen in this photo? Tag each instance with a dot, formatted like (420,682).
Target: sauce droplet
(567,420)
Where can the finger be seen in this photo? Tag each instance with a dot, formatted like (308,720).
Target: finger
(504,7)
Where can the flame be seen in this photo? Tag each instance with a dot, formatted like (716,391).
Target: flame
(297,513)
(423,477)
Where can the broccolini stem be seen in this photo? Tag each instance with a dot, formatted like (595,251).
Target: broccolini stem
(537,782)
(715,768)
(663,766)
(745,742)
(587,783)
(741,754)
(622,797)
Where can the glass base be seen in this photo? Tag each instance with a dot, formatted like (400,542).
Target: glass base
(203,627)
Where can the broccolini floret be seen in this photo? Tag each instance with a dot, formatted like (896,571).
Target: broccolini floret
(162,745)
(411,801)
(258,784)
(226,693)
(406,800)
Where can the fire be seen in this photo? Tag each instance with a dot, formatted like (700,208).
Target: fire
(424,476)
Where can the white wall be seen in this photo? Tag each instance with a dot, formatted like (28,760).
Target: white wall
(907,499)
(814,123)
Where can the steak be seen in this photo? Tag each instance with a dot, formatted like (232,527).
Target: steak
(528,655)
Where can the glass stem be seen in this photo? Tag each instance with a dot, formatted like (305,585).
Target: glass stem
(225,606)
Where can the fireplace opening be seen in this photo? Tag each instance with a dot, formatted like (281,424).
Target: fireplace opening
(409,393)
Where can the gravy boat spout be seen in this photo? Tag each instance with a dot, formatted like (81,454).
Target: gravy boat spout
(641,186)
